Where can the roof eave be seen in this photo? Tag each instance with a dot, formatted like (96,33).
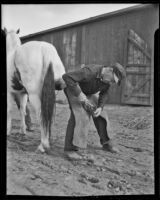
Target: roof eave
(91,19)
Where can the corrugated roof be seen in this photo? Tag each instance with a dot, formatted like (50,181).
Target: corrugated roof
(91,19)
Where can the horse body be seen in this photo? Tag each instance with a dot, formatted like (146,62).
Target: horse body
(12,43)
(32,60)
(39,71)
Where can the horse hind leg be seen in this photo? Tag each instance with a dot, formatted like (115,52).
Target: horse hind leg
(47,102)
(44,145)
(23,104)
(9,112)
(27,116)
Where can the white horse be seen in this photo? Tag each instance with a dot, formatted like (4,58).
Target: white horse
(34,69)
(12,43)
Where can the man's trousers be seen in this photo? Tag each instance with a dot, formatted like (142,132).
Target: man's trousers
(78,124)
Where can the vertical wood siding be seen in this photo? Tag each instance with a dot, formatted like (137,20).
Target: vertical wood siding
(103,41)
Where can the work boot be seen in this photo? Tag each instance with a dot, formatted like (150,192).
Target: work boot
(108,146)
(71,148)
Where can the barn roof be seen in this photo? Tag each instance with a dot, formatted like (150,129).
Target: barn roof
(91,19)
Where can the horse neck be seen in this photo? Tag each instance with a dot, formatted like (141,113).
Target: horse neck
(12,47)
(12,42)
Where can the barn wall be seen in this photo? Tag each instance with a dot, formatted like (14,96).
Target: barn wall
(103,41)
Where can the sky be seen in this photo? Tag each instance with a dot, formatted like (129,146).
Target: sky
(32,18)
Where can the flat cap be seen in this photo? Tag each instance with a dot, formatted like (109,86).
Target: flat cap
(119,72)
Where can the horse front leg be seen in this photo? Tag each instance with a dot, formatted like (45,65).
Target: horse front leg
(44,145)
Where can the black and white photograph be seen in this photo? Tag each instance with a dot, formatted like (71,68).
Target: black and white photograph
(80,98)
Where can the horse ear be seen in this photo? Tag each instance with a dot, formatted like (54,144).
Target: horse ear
(5,30)
(18,31)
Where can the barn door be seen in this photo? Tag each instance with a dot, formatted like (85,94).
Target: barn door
(138,70)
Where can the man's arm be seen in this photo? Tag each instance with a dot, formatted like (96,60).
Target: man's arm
(103,96)
(72,79)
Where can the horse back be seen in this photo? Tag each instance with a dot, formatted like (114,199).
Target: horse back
(29,61)
(33,59)
(38,51)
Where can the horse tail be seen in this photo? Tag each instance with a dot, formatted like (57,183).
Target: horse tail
(48,99)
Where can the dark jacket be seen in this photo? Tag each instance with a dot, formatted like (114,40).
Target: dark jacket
(87,80)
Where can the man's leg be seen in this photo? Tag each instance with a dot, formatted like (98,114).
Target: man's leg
(68,146)
(101,126)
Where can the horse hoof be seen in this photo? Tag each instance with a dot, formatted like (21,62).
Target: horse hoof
(45,145)
(43,149)
(40,149)
(47,150)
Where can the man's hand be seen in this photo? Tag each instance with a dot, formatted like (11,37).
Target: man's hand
(97,112)
(87,105)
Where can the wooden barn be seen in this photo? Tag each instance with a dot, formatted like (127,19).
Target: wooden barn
(125,36)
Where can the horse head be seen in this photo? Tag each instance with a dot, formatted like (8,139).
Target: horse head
(12,39)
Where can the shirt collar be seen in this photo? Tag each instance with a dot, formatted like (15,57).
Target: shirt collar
(99,73)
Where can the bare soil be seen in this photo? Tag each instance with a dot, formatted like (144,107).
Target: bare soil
(94,172)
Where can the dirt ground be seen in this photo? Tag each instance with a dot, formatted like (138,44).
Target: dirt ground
(94,172)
